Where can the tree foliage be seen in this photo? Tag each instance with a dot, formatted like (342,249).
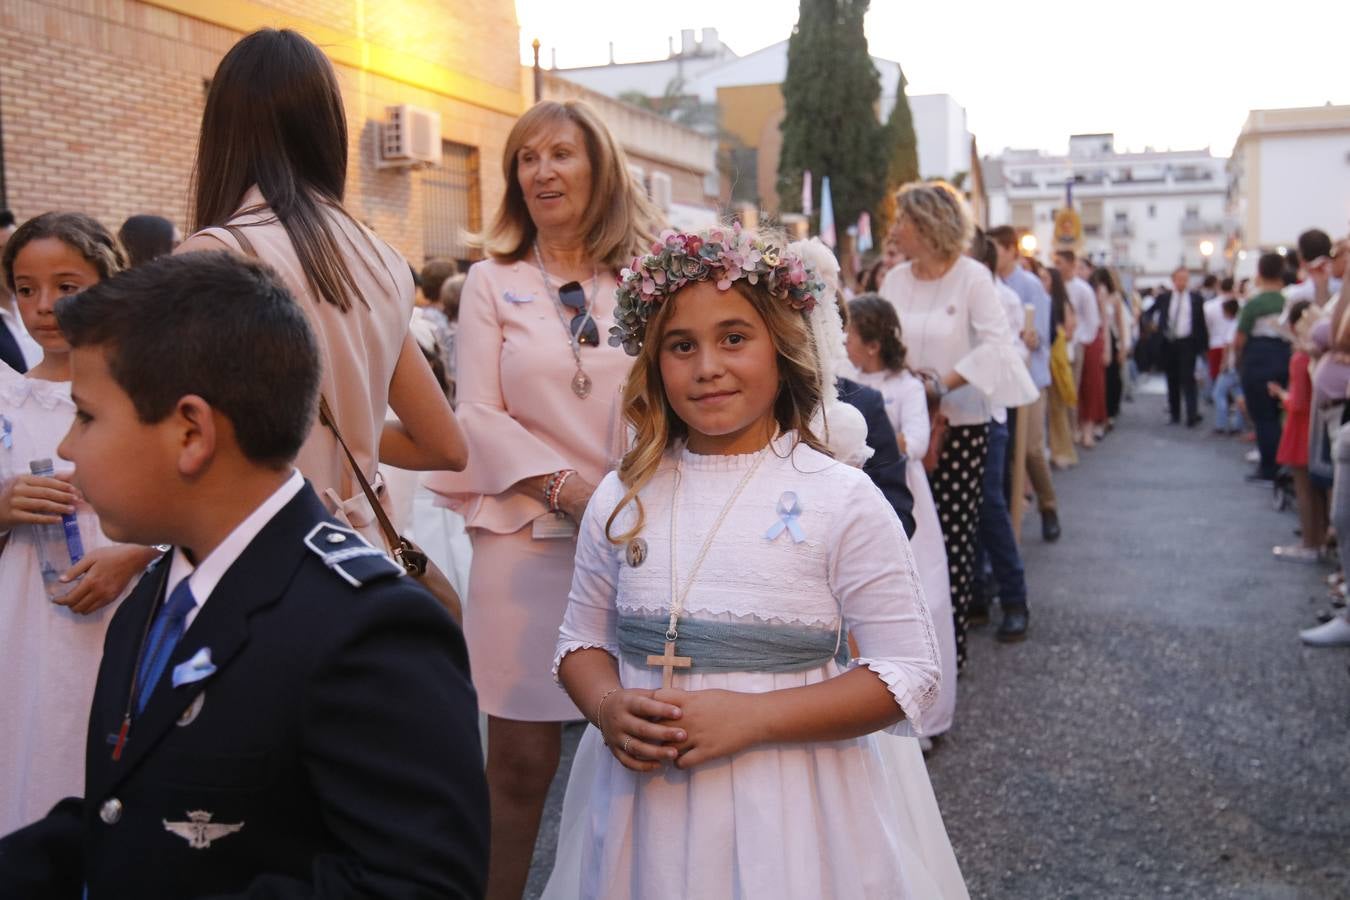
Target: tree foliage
(902,145)
(830,122)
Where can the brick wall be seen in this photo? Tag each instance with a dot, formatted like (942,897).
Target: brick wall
(101,101)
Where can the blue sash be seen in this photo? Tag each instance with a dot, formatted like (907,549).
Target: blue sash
(732,647)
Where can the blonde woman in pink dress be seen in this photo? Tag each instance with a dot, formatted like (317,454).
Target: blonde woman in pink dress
(538,394)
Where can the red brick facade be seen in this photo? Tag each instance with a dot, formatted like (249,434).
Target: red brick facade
(100,100)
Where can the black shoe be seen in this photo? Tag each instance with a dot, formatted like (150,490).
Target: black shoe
(1050,526)
(1257,477)
(1013,628)
(1192,421)
(977,614)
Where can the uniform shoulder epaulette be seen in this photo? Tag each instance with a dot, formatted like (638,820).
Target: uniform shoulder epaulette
(351,556)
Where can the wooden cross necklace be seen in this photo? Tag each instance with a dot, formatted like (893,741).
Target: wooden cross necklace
(668,661)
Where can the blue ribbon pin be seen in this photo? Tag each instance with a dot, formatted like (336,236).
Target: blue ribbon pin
(6,433)
(789,510)
(195,669)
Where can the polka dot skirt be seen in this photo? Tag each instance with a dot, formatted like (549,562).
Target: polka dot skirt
(957,483)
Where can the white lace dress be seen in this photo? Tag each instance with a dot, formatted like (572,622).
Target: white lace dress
(907,408)
(818,820)
(49,655)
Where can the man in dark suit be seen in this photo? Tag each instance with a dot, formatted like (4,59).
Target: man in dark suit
(278,713)
(1179,316)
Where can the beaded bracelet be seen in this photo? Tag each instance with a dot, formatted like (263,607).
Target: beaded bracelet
(554,486)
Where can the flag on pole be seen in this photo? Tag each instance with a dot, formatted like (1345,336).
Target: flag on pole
(864,232)
(806,193)
(827,235)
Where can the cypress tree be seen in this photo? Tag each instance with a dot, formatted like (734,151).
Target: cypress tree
(903,146)
(830,122)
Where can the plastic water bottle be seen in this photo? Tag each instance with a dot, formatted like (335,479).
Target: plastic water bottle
(59,546)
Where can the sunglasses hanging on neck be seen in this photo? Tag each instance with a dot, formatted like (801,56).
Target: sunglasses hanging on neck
(583,326)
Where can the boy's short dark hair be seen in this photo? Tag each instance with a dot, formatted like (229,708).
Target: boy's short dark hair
(6,218)
(212,324)
(1314,243)
(433,275)
(1209,281)
(1226,284)
(1270,267)
(1067,255)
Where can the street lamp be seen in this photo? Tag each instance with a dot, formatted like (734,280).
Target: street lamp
(1028,244)
(1206,250)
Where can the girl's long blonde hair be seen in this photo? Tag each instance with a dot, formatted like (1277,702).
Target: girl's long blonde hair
(657,427)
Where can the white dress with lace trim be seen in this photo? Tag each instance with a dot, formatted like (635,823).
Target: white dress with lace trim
(853,818)
(49,655)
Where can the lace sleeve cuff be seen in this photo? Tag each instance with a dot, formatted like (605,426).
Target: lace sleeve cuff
(568,646)
(913,699)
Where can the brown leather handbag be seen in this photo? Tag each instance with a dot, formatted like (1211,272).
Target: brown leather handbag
(937,422)
(407,554)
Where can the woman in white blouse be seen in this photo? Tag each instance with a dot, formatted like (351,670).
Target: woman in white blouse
(957,331)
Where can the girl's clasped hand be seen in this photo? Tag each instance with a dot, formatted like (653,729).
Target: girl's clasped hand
(647,729)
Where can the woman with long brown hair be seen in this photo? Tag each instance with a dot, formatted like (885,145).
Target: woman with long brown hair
(269,181)
(538,392)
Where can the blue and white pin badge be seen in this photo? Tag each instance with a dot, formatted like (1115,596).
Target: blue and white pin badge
(195,669)
(513,297)
(789,511)
(6,433)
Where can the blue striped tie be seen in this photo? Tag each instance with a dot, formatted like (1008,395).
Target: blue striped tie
(164,635)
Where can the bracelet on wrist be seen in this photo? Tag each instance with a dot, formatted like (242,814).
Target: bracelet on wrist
(600,708)
(553,488)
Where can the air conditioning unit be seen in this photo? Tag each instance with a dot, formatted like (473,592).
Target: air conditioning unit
(410,137)
(660,190)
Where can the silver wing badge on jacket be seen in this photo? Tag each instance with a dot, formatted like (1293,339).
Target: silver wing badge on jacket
(200,831)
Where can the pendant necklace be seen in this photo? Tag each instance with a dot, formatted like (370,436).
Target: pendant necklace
(667,660)
(581,382)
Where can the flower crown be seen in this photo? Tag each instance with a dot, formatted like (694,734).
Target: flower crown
(723,255)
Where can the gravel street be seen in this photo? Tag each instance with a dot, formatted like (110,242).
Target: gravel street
(1162,732)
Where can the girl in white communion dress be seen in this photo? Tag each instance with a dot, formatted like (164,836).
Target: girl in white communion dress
(717,574)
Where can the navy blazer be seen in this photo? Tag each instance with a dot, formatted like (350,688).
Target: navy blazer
(333,753)
(886,468)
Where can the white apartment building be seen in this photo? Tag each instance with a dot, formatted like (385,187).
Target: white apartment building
(1290,171)
(1145,213)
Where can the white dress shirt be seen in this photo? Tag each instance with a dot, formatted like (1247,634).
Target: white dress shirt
(207,574)
(1084,300)
(1215,323)
(1179,314)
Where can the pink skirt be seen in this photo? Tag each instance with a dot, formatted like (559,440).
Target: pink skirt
(517,596)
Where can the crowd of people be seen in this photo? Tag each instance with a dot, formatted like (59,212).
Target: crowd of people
(1271,354)
(734,511)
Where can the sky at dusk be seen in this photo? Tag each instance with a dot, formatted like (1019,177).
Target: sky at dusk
(1179,74)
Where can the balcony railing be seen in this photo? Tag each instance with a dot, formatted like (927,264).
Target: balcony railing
(1122,229)
(1190,226)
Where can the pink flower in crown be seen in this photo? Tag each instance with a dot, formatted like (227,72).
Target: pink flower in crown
(693,245)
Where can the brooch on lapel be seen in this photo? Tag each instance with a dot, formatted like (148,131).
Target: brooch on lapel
(6,433)
(513,297)
(636,552)
(789,511)
(195,669)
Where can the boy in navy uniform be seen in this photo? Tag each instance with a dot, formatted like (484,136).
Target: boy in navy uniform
(279,713)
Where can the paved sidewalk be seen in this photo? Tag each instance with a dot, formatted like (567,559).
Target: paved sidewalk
(1162,732)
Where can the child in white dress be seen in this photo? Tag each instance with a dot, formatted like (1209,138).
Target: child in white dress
(49,649)
(732,547)
(877,352)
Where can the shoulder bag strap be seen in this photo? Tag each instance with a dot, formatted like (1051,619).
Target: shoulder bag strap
(391,534)
(327,418)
